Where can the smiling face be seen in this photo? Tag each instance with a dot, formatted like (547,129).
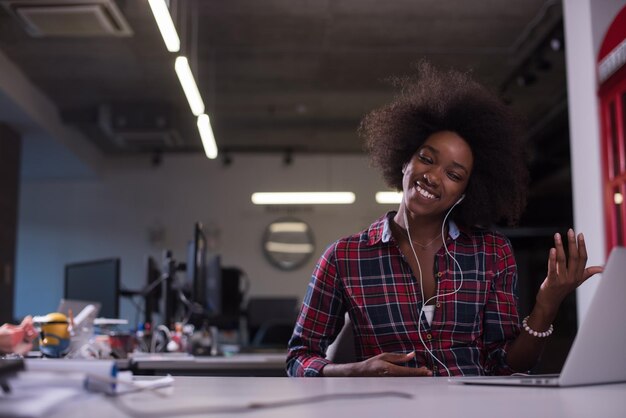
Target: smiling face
(437,174)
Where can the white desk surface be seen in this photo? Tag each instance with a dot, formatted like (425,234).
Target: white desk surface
(431,397)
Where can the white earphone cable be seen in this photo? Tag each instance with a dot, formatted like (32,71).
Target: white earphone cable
(419,268)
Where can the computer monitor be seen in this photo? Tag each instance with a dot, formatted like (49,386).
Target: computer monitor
(213,296)
(97,281)
(204,274)
(196,265)
(202,285)
(233,283)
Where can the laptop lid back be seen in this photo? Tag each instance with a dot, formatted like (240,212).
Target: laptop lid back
(597,354)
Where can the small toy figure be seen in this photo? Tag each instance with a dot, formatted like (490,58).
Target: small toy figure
(55,336)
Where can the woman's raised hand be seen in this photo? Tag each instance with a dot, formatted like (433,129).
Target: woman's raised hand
(565,273)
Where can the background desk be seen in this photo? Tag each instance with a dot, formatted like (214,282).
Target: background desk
(433,397)
(253,364)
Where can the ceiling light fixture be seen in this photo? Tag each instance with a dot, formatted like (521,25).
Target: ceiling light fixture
(387,198)
(206,134)
(183,71)
(303,198)
(278,227)
(282,247)
(166,25)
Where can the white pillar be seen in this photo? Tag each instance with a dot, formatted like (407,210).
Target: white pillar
(585,24)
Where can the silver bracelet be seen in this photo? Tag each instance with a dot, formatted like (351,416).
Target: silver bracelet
(534,333)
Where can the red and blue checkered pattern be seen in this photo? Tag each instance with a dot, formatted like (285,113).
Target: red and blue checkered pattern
(365,275)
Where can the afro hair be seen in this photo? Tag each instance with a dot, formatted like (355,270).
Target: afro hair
(432,101)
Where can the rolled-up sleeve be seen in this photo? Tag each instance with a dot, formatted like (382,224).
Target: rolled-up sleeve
(320,320)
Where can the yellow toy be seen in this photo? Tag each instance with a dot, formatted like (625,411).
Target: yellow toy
(54,338)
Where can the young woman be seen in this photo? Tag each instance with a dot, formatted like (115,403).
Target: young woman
(430,289)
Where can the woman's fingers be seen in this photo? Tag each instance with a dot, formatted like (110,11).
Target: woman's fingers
(397,358)
(570,269)
(409,371)
(561,261)
(582,258)
(565,273)
(393,367)
(590,271)
(574,259)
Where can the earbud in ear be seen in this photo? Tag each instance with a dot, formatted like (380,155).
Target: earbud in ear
(460,199)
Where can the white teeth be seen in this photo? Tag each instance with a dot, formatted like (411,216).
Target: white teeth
(424,192)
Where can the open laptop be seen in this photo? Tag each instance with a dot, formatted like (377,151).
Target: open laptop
(77,306)
(598,354)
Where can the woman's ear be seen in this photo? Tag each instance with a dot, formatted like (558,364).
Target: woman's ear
(404,167)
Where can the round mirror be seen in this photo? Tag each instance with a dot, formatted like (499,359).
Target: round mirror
(288,243)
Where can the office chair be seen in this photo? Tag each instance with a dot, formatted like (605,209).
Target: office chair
(271,320)
(273,334)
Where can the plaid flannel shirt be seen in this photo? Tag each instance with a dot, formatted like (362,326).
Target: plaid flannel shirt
(366,276)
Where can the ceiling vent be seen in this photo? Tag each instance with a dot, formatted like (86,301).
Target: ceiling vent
(69,18)
(138,127)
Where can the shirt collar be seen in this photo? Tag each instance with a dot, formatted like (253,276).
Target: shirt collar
(381,229)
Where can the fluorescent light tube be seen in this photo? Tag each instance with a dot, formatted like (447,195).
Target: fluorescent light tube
(166,25)
(282,247)
(206,134)
(303,198)
(388,198)
(189,86)
(278,227)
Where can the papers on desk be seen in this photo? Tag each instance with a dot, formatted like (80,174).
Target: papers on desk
(93,375)
(126,384)
(33,401)
(49,383)
(33,394)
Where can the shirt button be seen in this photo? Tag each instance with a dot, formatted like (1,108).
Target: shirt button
(439,274)
(429,337)
(438,305)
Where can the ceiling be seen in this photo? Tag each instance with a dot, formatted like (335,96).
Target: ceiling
(293,76)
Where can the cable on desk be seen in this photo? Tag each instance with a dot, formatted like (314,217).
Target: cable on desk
(132,387)
(255,406)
